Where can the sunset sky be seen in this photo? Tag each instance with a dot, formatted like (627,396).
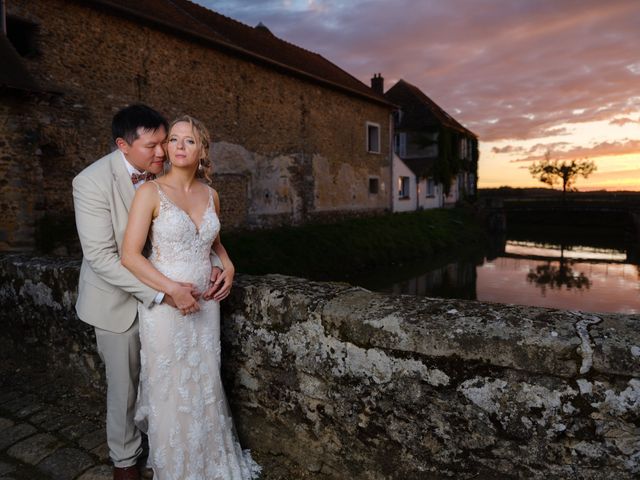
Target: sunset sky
(524,75)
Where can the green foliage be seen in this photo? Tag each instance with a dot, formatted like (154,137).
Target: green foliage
(325,251)
(449,162)
(475,156)
(552,172)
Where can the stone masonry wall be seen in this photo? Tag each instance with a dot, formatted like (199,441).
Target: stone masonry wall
(300,145)
(352,384)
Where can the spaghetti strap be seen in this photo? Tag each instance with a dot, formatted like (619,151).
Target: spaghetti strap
(164,199)
(157,185)
(160,190)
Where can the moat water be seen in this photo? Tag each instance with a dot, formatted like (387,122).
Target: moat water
(589,278)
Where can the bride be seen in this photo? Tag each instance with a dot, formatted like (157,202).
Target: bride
(181,404)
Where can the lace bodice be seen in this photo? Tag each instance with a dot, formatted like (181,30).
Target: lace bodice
(178,244)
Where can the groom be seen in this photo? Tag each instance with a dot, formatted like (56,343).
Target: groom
(108,294)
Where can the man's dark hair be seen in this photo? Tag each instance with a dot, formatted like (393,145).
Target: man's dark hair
(126,122)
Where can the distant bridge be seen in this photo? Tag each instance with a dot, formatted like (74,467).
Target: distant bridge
(586,205)
(623,210)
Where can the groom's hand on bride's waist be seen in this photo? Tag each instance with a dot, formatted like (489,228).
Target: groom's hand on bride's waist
(183,296)
(195,293)
(168,299)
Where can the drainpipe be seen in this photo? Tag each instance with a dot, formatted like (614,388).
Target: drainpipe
(392,188)
(3,18)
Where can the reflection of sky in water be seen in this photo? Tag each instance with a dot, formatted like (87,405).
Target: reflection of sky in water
(584,253)
(614,287)
(591,279)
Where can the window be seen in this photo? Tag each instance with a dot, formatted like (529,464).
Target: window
(400,144)
(431,187)
(403,187)
(464,150)
(22,35)
(373,137)
(397,117)
(374,185)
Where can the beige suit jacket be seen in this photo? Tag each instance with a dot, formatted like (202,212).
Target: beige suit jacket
(107,292)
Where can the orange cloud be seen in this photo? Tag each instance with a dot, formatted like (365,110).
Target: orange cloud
(623,121)
(603,149)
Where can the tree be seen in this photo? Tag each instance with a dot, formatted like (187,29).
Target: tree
(554,171)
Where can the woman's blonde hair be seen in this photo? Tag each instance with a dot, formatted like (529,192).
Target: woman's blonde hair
(202,136)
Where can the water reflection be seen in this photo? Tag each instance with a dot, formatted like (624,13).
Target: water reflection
(557,275)
(454,280)
(575,277)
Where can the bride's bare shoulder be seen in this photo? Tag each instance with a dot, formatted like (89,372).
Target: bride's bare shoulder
(148,189)
(213,192)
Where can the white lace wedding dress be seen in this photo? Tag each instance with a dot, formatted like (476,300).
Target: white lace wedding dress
(181,402)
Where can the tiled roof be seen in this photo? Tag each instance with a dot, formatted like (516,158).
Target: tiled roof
(185,17)
(413,102)
(13,73)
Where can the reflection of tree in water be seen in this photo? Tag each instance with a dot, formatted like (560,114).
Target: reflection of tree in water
(553,276)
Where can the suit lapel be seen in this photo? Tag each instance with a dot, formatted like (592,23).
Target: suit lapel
(122,179)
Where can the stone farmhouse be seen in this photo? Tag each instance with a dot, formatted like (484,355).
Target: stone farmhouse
(296,138)
(435,161)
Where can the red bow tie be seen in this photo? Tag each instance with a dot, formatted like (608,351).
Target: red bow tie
(142,177)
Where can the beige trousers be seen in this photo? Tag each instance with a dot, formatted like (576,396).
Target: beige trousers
(120,353)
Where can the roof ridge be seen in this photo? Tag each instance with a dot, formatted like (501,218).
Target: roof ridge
(417,91)
(437,110)
(274,36)
(209,11)
(238,22)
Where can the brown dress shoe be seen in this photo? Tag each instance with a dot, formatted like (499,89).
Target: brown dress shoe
(126,473)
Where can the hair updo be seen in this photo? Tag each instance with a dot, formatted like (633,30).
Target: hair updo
(202,137)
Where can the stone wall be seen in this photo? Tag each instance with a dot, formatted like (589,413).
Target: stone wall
(352,384)
(300,144)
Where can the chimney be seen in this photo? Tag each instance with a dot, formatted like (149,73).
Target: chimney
(377,83)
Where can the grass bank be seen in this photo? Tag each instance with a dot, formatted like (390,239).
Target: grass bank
(328,251)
